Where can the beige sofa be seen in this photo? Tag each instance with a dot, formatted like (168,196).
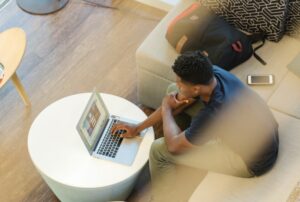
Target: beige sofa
(154,59)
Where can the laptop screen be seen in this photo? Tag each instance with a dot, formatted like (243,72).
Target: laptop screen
(92,121)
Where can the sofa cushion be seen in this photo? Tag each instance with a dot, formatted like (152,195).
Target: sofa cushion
(294,65)
(277,56)
(287,97)
(274,186)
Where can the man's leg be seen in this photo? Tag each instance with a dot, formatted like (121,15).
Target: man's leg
(162,169)
(212,156)
(171,182)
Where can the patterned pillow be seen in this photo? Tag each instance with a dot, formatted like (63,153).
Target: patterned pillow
(295,195)
(267,16)
(293,18)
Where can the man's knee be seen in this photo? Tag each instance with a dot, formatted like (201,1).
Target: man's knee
(158,149)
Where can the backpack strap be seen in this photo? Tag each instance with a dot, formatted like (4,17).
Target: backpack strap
(255,38)
(257,56)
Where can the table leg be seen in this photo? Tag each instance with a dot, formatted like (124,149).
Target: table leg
(20,89)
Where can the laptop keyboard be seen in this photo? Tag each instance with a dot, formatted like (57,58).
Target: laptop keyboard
(111,143)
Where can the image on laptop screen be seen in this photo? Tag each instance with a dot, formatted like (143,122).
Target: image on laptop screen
(90,122)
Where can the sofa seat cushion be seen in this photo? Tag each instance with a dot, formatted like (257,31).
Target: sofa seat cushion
(275,186)
(294,65)
(277,56)
(287,97)
(155,54)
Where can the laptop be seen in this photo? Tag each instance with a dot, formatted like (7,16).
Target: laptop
(94,128)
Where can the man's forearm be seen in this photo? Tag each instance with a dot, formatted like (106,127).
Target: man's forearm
(170,127)
(154,118)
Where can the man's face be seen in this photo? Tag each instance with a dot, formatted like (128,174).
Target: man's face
(188,90)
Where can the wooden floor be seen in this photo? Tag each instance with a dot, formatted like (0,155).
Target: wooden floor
(68,52)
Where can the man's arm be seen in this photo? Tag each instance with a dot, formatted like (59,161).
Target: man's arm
(154,118)
(133,130)
(174,137)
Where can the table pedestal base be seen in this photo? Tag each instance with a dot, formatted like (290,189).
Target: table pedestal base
(41,6)
(115,192)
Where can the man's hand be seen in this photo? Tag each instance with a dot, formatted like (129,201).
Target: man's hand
(130,130)
(180,97)
(175,102)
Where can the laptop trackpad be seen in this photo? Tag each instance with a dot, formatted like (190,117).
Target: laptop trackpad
(128,150)
(126,153)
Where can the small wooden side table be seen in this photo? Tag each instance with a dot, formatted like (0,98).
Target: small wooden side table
(12,48)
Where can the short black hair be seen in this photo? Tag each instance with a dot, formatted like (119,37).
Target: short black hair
(194,67)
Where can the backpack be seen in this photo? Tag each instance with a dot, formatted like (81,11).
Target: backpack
(197,28)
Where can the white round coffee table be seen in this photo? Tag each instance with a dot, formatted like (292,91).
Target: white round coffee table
(61,158)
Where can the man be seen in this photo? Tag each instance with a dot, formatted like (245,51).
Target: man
(234,133)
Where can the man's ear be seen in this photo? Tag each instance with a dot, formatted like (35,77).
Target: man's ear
(197,88)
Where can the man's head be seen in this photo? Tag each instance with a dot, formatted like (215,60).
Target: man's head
(194,73)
